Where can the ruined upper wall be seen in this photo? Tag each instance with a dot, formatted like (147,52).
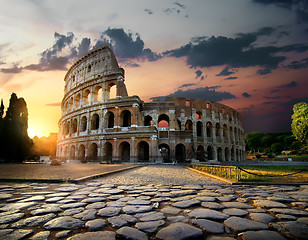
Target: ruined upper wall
(98,63)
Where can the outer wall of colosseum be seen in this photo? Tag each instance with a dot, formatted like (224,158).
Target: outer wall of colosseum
(101,123)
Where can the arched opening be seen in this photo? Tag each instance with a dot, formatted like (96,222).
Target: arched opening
(227,157)
(219,154)
(77,101)
(86,98)
(232,154)
(231,135)
(95,122)
(188,125)
(109,120)
(198,115)
(200,153)
(163,121)
(148,121)
(67,128)
(143,151)
(83,123)
(81,153)
(210,155)
(72,152)
(209,129)
(235,135)
(236,155)
(74,125)
(225,132)
(126,118)
(66,152)
(124,151)
(71,103)
(107,152)
(180,153)
(111,91)
(98,94)
(93,152)
(217,129)
(199,129)
(164,150)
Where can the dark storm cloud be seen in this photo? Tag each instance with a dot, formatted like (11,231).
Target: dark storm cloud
(186,85)
(235,52)
(264,71)
(230,78)
(225,72)
(14,69)
(149,11)
(205,93)
(124,46)
(276,97)
(198,73)
(289,85)
(298,64)
(299,6)
(290,103)
(246,95)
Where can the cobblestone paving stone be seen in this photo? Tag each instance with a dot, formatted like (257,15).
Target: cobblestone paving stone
(153,202)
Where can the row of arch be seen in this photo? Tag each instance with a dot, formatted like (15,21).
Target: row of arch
(163,122)
(180,153)
(89,95)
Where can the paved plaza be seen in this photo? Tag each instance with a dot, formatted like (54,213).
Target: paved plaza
(153,202)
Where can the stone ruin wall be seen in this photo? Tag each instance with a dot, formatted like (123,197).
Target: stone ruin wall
(98,127)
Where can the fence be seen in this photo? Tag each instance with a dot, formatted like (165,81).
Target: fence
(229,172)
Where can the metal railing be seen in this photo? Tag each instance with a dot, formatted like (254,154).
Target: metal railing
(229,172)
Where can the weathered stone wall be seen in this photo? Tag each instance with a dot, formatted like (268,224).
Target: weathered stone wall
(96,127)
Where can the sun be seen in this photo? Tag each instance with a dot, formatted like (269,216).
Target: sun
(33,132)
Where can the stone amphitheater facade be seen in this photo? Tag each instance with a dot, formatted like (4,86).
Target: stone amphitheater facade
(98,127)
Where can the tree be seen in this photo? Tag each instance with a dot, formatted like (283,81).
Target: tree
(300,123)
(267,140)
(15,143)
(253,140)
(277,147)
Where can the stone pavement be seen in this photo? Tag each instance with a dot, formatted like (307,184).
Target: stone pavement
(153,202)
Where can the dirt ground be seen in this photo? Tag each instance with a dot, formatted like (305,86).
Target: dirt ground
(63,172)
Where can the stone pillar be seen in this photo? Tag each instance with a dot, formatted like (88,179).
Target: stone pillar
(134,114)
(172,120)
(117,117)
(133,153)
(154,149)
(115,151)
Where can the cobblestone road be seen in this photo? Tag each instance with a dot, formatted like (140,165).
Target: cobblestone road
(154,202)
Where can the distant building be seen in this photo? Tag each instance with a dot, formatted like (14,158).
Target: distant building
(95,127)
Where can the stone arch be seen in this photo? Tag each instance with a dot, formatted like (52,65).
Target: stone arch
(71,103)
(188,125)
(94,121)
(231,135)
(163,121)
(199,129)
(225,132)
(210,153)
(111,91)
(219,154)
(87,96)
(124,148)
(217,130)
(93,150)
(232,154)
(199,115)
(164,150)
(179,124)
(77,100)
(227,157)
(125,118)
(180,152)
(109,120)
(74,125)
(235,135)
(98,94)
(236,155)
(148,121)
(67,128)
(107,152)
(143,151)
(209,129)
(81,152)
(72,152)
(83,124)
(200,153)
(66,153)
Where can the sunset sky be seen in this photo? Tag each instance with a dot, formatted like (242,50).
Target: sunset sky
(251,55)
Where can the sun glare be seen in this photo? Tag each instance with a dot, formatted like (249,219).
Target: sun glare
(33,132)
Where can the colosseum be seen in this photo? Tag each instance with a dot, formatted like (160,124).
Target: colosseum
(98,126)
